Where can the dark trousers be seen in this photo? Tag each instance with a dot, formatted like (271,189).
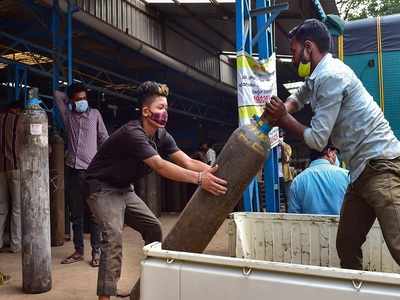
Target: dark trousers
(375,194)
(111,207)
(79,210)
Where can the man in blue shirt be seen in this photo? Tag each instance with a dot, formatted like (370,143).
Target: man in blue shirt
(319,189)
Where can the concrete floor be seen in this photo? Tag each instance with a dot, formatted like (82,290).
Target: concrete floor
(78,281)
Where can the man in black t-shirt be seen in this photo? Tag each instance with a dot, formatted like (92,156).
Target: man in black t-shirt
(131,152)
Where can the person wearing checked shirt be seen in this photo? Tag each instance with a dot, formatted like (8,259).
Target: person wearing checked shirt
(86,133)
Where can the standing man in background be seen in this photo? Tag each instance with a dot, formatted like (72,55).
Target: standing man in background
(4,278)
(211,156)
(287,178)
(86,132)
(10,196)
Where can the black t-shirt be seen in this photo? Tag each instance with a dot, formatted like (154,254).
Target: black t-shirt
(119,162)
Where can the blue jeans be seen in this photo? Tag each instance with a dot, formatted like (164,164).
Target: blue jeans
(76,197)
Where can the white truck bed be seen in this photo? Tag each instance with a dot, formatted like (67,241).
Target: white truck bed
(301,239)
(170,275)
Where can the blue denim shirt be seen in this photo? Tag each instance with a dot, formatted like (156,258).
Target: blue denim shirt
(319,189)
(347,113)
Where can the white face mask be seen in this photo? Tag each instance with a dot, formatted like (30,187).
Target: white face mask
(337,162)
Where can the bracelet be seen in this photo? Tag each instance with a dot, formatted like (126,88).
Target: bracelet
(200,179)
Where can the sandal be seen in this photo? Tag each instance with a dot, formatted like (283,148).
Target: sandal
(95,261)
(4,278)
(72,259)
(121,294)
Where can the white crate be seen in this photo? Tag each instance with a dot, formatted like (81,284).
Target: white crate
(300,239)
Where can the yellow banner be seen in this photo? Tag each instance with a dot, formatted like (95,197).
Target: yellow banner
(256,81)
(247,112)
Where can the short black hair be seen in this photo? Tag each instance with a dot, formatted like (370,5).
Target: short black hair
(312,30)
(75,88)
(150,88)
(314,154)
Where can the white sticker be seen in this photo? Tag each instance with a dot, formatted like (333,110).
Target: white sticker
(274,137)
(36,129)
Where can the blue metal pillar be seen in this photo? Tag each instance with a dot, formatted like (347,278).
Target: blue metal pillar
(57,43)
(245,41)
(21,83)
(271,181)
(264,46)
(57,59)
(69,41)
(271,168)
(17,83)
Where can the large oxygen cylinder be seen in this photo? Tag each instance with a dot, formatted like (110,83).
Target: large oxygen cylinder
(148,189)
(153,193)
(239,161)
(35,204)
(57,201)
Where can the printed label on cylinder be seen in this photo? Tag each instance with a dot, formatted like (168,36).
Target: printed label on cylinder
(36,129)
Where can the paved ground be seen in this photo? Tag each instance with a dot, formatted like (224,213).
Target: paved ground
(78,281)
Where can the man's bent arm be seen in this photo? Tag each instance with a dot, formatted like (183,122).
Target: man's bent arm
(183,160)
(206,179)
(289,123)
(171,171)
(61,100)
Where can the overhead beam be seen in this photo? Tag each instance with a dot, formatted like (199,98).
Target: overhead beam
(133,43)
(180,104)
(204,23)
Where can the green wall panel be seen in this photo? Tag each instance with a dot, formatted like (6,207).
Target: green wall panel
(391,79)
(391,82)
(368,75)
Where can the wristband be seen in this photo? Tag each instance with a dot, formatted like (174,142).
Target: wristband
(200,179)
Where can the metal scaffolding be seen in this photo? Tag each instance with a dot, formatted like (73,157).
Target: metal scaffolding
(58,65)
(259,38)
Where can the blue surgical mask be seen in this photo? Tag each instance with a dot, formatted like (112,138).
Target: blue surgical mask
(337,162)
(81,106)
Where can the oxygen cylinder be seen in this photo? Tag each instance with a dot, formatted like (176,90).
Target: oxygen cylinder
(239,161)
(35,204)
(153,193)
(148,189)
(57,201)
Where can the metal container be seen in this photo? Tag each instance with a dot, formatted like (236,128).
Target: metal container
(239,161)
(300,239)
(171,275)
